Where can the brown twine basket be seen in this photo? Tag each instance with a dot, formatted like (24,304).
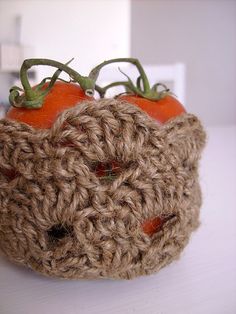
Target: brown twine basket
(61,219)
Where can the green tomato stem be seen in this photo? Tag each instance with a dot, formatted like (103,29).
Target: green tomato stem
(33,98)
(142,87)
(86,83)
(102,90)
(95,71)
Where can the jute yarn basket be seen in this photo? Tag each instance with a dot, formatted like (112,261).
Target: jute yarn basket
(60,219)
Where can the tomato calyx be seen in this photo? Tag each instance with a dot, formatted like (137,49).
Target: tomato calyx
(142,87)
(33,98)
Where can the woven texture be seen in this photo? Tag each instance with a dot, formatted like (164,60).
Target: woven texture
(58,217)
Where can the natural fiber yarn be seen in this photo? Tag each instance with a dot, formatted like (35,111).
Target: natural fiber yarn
(60,219)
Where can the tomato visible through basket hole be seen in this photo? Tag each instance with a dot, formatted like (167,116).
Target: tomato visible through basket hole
(11,174)
(107,170)
(154,225)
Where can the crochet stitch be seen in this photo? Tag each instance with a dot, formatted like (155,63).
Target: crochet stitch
(61,219)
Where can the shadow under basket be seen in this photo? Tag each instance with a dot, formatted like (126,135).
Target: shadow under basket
(74,198)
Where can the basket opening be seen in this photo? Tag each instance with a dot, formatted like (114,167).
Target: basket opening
(59,231)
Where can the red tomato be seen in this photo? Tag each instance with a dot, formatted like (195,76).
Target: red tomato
(10,174)
(153,225)
(107,170)
(161,110)
(62,96)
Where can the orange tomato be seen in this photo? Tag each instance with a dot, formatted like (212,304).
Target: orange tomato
(161,110)
(62,96)
(107,170)
(154,225)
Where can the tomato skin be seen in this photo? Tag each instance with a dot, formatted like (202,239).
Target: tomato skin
(108,169)
(153,225)
(161,110)
(62,96)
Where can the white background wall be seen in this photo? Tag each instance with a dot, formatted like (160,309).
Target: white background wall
(200,33)
(88,30)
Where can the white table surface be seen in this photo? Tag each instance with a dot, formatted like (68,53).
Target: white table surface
(202,281)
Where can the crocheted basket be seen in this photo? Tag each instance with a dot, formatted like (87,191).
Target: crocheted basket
(60,219)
